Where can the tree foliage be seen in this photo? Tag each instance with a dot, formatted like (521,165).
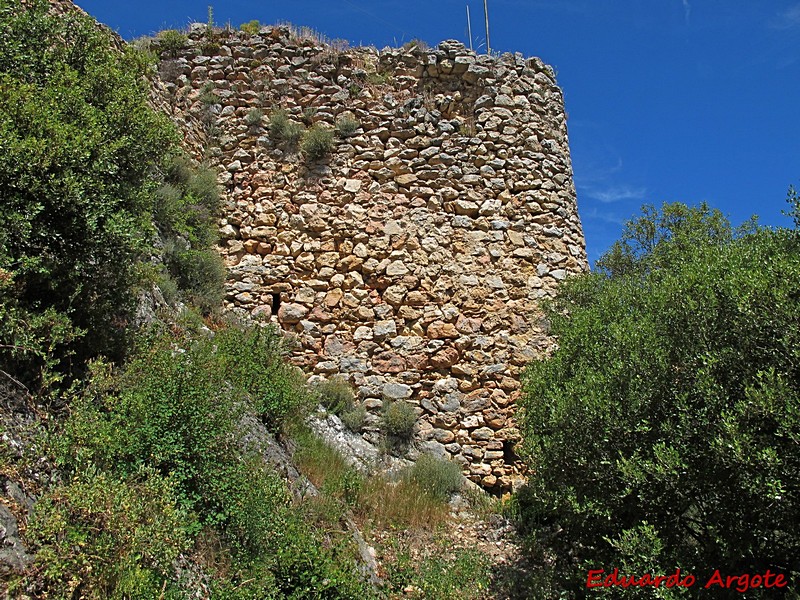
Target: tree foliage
(86,169)
(664,430)
(78,145)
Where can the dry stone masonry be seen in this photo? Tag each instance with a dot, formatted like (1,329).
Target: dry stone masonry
(411,259)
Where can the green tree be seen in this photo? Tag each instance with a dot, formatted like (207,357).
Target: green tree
(664,430)
(79,150)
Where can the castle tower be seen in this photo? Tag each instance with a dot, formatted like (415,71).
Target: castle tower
(409,257)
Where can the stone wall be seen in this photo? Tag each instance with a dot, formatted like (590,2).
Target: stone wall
(411,259)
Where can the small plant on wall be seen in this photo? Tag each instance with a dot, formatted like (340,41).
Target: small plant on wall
(171,41)
(282,130)
(317,142)
(253,119)
(347,125)
(251,28)
(398,420)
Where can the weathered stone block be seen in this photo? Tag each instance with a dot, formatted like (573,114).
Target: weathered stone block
(397,391)
(292,313)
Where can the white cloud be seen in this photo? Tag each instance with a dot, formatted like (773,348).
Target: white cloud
(616,193)
(788,19)
(605,217)
(687,9)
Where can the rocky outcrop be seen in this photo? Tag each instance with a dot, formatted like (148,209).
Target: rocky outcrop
(412,257)
(23,471)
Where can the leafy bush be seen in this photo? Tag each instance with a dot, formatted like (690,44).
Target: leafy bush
(187,203)
(112,537)
(177,420)
(317,142)
(663,430)
(184,215)
(335,394)
(436,476)
(251,27)
(180,413)
(347,125)
(253,118)
(171,41)
(199,275)
(81,149)
(398,419)
(283,130)
(354,418)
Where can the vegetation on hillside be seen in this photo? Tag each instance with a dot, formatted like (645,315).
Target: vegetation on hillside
(90,175)
(663,432)
(152,470)
(161,481)
(162,468)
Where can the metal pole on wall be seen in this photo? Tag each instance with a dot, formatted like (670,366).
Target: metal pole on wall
(469,28)
(486,13)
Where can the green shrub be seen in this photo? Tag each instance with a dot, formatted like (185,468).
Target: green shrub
(171,41)
(336,395)
(347,125)
(180,414)
(436,476)
(317,142)
(278,122)
(200,276)
(254,117)
(81,151)
(187,203)
(354,418)
(283,130)
(255,359)
(184,210)
(169,463)
(209,47)
(203,189)
(293,133)
(114,537)
(445,573)
(379,79)
(168,207)
(207,96)
(146,47)
(663,431)
(309,112)
(251,28)
(398,419)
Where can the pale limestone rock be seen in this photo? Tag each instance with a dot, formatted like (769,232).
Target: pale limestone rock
(396,269)
(396,391)
(353,186)
(292,313)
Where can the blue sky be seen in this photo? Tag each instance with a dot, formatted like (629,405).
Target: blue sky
(690,100)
